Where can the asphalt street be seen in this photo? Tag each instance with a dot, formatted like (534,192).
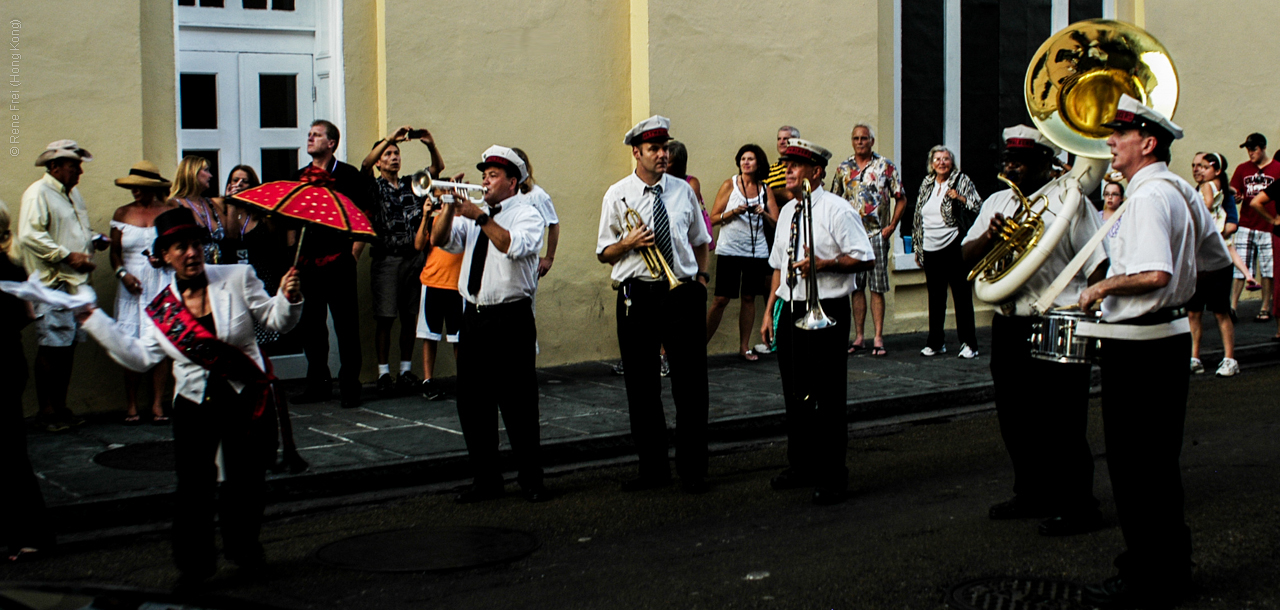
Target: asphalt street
(915,528)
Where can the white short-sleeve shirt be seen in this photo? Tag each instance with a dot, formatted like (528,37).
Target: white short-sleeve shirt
(1084,225)
(508,276)
(1165,228)
(542,202)
(684,216)
(837,230)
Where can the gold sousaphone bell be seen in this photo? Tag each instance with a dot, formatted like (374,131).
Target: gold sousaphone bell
(1073,86)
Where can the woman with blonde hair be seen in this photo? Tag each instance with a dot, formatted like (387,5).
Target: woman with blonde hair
(24,525)
(191,181)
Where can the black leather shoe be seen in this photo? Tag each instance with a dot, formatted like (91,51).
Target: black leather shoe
(350,402)
(479,494)
(1017,509)
(645,483)
(1117,594)
(1073,524)
(694,486)
(790,479)
(826,496)
(536,494)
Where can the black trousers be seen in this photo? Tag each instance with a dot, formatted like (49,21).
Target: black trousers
(248,448)
(332,289)
(945,269)
(496,353)
(676,319)
(815,384)
(1144,408)
(1043,409)
(23,519)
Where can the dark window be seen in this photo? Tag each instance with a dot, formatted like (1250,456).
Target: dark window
(255,4)
(278,100)
(186,2)
(199,94)
(1079,10)
(212,157)
(279,163)
(287,5)
(923,88)
(211,3)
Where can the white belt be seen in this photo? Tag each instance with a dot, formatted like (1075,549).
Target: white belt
(1133,332)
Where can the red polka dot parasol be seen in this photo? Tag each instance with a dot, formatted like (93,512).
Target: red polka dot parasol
(308,202)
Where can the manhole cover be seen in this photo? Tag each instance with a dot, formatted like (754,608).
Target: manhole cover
(428,549)
(155,457)
(1009,593)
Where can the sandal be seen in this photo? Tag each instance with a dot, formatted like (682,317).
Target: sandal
(749,356)
(878,350)
(24,554)
(132,420)
(855,348)
(159,420)
(1263,316)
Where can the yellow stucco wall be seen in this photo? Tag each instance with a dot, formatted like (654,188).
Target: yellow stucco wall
(87,83)
(550,78)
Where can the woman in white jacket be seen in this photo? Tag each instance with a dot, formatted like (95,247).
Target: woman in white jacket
(204,321)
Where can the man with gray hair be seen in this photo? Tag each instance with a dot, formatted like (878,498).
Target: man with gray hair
(777,179)
(56,244)
(870,182)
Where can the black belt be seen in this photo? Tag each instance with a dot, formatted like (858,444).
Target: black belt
(1159,316)
(655,285)
(498,308)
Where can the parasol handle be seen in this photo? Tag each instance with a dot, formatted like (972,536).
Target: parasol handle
(301,236)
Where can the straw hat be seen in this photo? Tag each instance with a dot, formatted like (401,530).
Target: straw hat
(143,174)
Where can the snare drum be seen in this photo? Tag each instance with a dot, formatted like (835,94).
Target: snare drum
(1054,338)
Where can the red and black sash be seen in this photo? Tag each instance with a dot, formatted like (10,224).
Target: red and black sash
(202,347)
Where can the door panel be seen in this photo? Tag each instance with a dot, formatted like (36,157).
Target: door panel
(276,109)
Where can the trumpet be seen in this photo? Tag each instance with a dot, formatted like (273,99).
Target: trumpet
(653,259)
(814,318)
(422,184)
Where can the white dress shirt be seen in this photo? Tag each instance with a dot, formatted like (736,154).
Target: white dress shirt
(684,216)
(1082,228)
(542,202)
(837,230)
(1165,228)
(507,277)
(51,225)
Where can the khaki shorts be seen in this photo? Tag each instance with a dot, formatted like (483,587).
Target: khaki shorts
(56,327)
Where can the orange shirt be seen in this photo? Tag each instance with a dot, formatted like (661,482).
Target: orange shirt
(442,269)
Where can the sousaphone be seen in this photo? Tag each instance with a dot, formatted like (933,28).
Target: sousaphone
(1073,85)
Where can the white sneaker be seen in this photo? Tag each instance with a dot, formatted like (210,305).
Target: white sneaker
(966,353)
(929,352)
(1228,368)
(1196,366)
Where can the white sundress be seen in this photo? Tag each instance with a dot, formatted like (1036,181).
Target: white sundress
(130,308)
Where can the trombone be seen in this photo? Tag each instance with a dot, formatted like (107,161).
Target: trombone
(814,318)
(653,259)
(422,184)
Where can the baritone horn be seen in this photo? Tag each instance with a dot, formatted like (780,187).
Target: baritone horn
(1072,88)
(653,258)
(423,184)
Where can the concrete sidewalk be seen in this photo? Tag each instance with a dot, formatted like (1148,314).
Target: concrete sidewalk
(407,441)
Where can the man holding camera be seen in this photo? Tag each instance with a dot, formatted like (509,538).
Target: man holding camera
(396,215)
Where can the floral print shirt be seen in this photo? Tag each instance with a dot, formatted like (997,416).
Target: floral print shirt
(873,192)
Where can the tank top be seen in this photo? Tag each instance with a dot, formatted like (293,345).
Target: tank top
(744,234)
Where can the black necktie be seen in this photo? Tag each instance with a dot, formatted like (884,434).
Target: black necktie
(478,254)
(661,226)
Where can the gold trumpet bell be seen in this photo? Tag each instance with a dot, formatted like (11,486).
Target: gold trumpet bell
(1077,76)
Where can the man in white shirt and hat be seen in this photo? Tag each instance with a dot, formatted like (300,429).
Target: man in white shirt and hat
(665,219)
(497,345)
(814,362)
(55,243)
(1044,432)
(1166,237)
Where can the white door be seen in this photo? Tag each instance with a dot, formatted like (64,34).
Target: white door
(277,105)
(209,109)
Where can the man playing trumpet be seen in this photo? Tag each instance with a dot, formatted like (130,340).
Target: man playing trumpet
(654,309)
(814,363)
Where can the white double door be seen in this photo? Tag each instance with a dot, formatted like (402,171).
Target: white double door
(262,107)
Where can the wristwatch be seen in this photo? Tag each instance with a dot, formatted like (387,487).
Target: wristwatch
(121,272)
(482,219)
(703,274)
